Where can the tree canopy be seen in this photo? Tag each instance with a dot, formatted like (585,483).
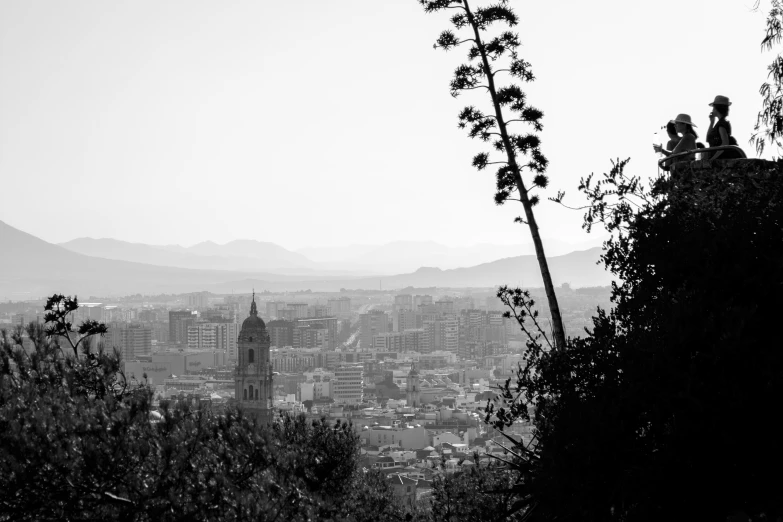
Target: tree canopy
(666,409)
(78,443)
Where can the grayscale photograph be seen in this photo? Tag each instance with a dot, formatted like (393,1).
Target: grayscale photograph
(391,261)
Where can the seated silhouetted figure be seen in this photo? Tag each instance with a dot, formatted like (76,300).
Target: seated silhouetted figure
(683,126)
(719,133)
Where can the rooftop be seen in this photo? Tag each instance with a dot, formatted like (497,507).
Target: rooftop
(399,479)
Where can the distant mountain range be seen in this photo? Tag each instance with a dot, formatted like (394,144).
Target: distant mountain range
(578,269)
(243,255)
(354,260)
(407,256)
(31,267)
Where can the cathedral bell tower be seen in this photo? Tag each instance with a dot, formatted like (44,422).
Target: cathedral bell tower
(412,388)
(253,380)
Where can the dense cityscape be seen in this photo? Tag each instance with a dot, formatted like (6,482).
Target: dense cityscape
(253,270)
(411,371)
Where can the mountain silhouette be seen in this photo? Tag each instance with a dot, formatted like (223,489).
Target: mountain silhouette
(243,255)
(33,268)
(578,269)
(406,256)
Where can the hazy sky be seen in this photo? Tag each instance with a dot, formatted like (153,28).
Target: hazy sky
(313,122)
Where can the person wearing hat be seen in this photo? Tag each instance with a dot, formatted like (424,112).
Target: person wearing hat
(674,138)
(684,126)
(719,132)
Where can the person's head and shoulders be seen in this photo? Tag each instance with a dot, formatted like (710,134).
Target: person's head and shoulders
(719,133)
(686,128)
(720,113)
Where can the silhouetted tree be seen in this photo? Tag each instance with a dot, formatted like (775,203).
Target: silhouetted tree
(519,151)
(769,123)
(664,410)
(58,314)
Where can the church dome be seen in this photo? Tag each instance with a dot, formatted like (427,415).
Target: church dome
(253,322)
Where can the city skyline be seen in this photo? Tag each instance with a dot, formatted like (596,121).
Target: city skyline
(168,124)
(286,260)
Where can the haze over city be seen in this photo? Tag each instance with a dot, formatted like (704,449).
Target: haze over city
(383,261)
(311,124)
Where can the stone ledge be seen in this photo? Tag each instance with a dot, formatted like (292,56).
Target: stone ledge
(731,165)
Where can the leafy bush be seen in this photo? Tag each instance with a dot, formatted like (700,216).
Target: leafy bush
(78,443)
(666,409)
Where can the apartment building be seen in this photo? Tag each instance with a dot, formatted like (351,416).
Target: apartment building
(388,342)
(371,324)
(440,335)
(132,340)
(405,320)
(179,322)
(348,385)
(340,307)
(220,337)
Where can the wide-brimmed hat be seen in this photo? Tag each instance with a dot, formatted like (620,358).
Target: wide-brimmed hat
(721,100)
(683,118)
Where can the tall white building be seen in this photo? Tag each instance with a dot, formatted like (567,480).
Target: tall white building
(412,340)
(348,384)
(440,335)
(340,307)
(227,335)
(220,337)
(371,324)
(388,342)
(133,340)
(311,337)
(449,335)
(404,320)
(202,338)
(474,318)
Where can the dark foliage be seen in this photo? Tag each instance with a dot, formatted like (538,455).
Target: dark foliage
(476,494)
(769,123)
(76,443)
(667,409)
(58,311)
